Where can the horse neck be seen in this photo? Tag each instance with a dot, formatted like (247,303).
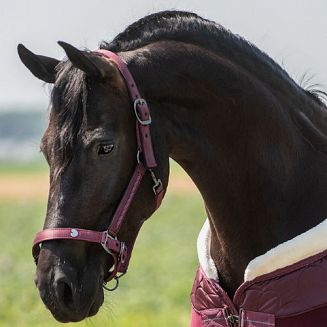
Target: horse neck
(239,145)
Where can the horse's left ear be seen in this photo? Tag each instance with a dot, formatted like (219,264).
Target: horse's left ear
(85,61)
(42,67)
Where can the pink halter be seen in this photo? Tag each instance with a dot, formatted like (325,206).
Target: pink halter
(108,238)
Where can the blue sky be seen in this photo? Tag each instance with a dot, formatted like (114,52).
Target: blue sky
(294,33)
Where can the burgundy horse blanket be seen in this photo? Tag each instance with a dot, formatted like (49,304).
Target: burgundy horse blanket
(286,287)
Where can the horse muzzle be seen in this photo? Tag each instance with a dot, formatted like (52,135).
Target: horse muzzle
(71,291)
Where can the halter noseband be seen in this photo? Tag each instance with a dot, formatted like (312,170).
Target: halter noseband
(108,238)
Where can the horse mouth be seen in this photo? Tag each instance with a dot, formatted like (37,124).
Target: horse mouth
(66,313)
(65,317)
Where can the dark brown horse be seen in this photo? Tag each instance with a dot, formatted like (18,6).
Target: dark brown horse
(253,141)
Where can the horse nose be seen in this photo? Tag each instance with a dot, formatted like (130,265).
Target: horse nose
(70,289)
(67,297)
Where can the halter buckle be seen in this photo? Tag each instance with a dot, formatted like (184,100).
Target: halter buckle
(105,241)
(141,102)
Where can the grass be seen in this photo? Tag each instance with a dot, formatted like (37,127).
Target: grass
(13,169)
(156,290)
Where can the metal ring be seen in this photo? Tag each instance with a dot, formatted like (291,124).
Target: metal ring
(114,287)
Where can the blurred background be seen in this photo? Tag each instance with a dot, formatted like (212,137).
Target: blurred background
(156,290)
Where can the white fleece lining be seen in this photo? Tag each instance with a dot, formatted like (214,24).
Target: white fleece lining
(203,246)
(300,247)
(303,246)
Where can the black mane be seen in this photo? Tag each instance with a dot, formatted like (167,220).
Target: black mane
(190,28)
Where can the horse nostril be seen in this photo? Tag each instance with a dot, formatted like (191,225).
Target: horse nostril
(65,293)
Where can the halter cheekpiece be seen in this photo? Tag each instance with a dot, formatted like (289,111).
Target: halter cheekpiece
(108,238)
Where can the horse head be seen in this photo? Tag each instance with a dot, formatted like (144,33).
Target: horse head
(91,149)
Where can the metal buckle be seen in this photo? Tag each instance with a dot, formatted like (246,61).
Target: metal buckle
(104,243)
(157,181)
(233,320)
(141,102)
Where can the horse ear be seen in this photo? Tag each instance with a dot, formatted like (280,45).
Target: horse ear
(84,61)
(40,66)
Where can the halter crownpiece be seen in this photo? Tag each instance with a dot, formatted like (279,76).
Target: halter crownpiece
(108,238)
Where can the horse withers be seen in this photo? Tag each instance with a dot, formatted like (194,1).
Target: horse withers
(254,142)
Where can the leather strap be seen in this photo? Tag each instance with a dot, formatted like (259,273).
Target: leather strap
(108,239)
(141,108)
(74,234)
(126,200)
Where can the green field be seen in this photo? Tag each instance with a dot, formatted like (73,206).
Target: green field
(156,290)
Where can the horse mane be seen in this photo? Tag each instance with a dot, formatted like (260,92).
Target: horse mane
(190,28)
(314,90)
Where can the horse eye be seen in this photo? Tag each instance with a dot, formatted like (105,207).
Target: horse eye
(105,149)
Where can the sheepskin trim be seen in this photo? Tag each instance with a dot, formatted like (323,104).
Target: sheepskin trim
(203,247)
(313,241)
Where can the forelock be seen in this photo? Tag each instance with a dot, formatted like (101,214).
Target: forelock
(67,112)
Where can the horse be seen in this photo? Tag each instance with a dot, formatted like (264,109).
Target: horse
(253,141)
